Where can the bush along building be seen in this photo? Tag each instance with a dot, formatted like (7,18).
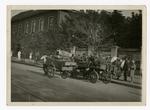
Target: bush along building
(37,32)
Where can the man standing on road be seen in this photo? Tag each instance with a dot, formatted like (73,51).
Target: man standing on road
(124,66)
(19,55)
(44,58)
(132,70)
(30,56)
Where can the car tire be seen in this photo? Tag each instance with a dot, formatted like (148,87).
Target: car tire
(64,75)
(93,76)
(50,73)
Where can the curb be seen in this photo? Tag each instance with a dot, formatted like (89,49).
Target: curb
(112,81)
(126,84)
(27,64)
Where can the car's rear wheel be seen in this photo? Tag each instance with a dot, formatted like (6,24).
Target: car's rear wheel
(93,76)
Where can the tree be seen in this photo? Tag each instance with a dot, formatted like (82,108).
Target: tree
(130,33)
(136,30)
(90,27)
(117,25)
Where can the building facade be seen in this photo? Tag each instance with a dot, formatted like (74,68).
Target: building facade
(38,31)
(30,30)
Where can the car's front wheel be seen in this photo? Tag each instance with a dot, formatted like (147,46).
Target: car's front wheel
(64,74)
(51,73)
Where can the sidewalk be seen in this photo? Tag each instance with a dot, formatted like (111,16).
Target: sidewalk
(27,62)
(136,84)
(127,83)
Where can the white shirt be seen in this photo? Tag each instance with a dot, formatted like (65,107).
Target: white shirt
(122,64)
(44,58)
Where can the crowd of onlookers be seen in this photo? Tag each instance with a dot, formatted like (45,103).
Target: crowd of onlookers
(122,66)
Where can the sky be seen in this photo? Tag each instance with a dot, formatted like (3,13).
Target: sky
(15,12)
(126,13)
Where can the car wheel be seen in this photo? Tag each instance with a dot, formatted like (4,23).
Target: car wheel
(93,77)
(50,73)
(64,75)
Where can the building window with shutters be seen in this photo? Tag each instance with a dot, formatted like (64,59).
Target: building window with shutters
(41,24)
(50,22)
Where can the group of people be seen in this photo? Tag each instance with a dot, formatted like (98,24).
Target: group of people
(119,66)
(128,66)
(31,56)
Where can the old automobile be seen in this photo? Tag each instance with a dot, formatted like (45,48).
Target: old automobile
(88,70)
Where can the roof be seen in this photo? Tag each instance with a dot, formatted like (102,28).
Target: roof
(27,14)
(30,13)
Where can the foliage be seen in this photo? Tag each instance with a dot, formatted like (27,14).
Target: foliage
(92,27)
(85,28)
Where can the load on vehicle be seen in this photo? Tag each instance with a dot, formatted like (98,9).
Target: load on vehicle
(89,70)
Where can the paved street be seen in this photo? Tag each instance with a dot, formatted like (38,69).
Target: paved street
(29,84)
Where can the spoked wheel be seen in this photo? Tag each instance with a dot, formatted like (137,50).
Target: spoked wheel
(51,73)
(64,75)
(106,77)
(93,77)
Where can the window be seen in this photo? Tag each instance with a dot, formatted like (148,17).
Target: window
(41,24)
(13,29)
(20,28)
(50,22)
(27,28)
(16,29)
(33,26)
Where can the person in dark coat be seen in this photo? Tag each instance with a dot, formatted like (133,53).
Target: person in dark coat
(125,68)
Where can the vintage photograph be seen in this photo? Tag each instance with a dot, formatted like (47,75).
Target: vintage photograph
(76,55)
